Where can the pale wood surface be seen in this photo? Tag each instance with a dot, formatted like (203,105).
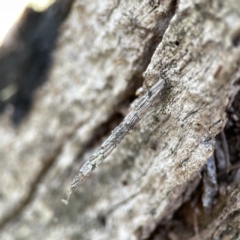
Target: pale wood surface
(103,49)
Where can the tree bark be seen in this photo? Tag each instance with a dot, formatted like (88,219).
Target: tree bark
(151,186)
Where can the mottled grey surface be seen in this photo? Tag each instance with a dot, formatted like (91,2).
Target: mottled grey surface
(103,46)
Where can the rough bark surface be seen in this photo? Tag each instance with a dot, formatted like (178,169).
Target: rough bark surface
(103,49)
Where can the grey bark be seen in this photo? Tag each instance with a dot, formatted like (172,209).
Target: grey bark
(102,52)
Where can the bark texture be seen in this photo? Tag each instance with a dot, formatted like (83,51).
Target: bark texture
(103,49)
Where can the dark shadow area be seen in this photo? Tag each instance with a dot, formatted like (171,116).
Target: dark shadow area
(26,58)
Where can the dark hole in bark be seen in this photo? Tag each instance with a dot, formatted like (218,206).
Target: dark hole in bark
(177,43)
(236,39)
(124,182)
(102,220)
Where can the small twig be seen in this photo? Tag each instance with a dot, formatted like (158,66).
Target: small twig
(231,168)
(129,122)
(210,185)
(226,151)
(195,223)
